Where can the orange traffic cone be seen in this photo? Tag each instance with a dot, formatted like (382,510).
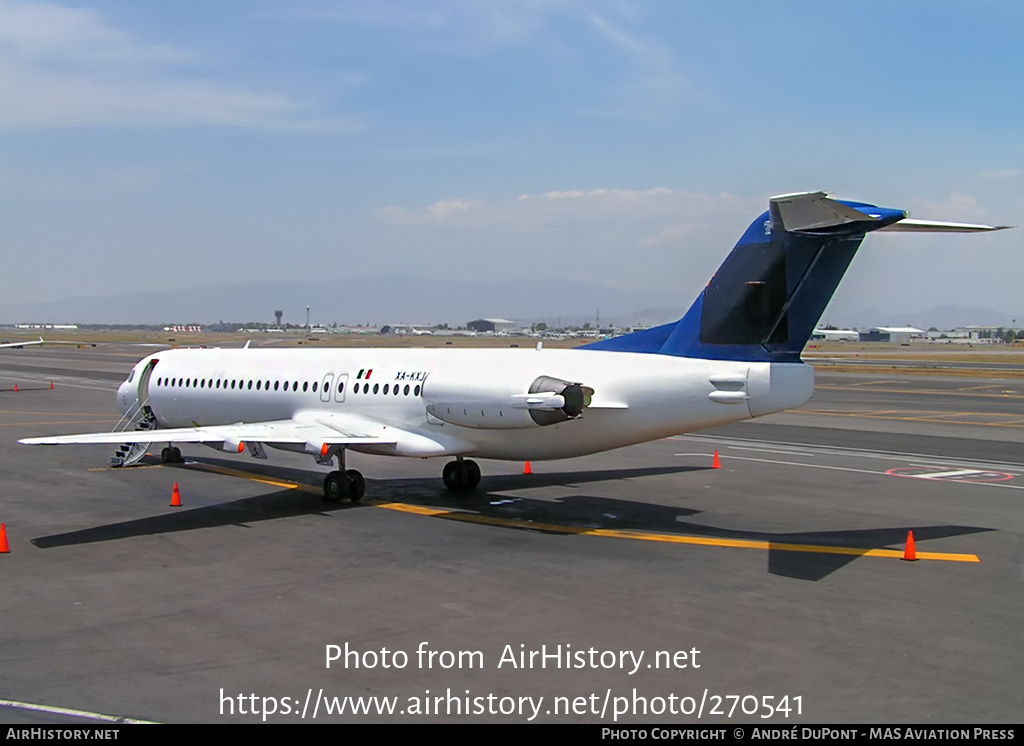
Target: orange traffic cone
(176,497)
(527,469)
(15,387)
(5,548)
(910,553)
(51,385)
(716,464)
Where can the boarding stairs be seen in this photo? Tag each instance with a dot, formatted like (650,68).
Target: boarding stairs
(139,417)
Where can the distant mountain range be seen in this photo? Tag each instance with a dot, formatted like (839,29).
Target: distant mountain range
(397,299)
(388,299)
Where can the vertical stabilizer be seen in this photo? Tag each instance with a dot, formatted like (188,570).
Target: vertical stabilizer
(764,301)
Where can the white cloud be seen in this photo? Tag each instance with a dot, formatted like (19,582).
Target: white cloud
(1000,173)
(653,83)
(955,208)
(64,67)
(659,215)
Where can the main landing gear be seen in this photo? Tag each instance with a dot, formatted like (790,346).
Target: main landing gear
(171,455)
(344,485)
(461,475)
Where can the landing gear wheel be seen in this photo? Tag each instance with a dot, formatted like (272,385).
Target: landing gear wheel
(336,487)
(165,455)
(176,455)
(453,476)
(171,455)
(356,485)
(472,475)
(461,476)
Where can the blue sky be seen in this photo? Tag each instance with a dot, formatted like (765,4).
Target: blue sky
(170,145)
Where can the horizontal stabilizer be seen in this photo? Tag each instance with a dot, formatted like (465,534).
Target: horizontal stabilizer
(935,226)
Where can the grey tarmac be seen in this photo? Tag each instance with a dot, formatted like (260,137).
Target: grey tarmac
(115,603)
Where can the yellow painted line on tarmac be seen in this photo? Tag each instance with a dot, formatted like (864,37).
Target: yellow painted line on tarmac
(558,528)
(132,467)
(197,466)
(671,538)
(287,484)
(975,388)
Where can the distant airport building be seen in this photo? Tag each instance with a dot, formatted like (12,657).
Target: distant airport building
(183,328)
(982,333)
(491,325)
(897,334)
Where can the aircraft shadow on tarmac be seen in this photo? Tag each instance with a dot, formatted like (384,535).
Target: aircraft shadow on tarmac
(563,515)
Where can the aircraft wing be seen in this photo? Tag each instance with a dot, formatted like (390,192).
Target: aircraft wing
(318,432)
(21,344)
(278,431)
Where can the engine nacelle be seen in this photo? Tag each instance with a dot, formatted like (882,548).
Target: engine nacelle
(499,403)
(226,446)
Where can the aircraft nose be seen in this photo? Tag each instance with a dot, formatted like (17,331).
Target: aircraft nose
(124,398)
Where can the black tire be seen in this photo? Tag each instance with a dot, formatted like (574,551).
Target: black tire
(336,487)
(472,479)
(176,455)
(356,485)
(166,456)
(453,476)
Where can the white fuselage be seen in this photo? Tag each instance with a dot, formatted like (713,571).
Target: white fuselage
(636,397)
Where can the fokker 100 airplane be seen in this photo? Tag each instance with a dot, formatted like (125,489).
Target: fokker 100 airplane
(733,356)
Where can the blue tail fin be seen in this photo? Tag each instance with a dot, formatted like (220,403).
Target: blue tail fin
(764,301)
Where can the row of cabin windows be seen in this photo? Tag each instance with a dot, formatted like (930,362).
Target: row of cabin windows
(212,383)
(387,388)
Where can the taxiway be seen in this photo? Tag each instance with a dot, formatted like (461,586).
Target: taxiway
(782,568)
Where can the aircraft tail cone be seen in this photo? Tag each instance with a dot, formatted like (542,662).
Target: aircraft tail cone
(527,469)
(176,497)
(5,548)
(717,463)
(910,553)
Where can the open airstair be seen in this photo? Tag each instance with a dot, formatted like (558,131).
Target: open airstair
(139,417)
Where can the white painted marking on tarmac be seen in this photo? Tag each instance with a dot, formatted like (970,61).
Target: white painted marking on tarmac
(796,463)
(62,381)
(866,471)
(931,459)
(954,473)
(74,713)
